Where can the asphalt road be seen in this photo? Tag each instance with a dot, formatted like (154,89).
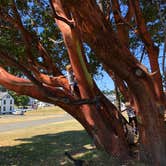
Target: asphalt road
(32,123)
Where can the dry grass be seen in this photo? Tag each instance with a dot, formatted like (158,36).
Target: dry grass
(41,113)
(44,145)
(52,110)
(11,138)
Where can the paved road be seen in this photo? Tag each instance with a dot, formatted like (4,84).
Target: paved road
(32,123)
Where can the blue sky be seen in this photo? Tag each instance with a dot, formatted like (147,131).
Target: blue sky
(105,82)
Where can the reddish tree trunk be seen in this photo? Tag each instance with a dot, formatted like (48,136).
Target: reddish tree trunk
(96,118)
(119,59)
(152,127)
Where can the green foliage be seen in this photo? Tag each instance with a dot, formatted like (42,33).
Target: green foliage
(151,13)
(109,92)
(121,97)
(112,92)
(20,100)
(2,89)
(37,18)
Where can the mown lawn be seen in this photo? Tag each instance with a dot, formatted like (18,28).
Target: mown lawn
(42,113)
(45,145)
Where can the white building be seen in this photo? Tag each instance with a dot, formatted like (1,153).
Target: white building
(112,98)
(44,104)
(6,103)
(34,103)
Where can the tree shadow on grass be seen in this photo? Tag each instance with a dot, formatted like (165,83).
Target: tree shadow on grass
(48,150)
(44,149)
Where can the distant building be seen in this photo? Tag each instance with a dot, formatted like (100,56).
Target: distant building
(44,104)
(111,97)
(34,103)
(6,103)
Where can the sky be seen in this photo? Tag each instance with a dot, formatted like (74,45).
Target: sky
(105,83)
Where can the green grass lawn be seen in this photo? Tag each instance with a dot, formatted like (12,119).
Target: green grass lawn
(45,145)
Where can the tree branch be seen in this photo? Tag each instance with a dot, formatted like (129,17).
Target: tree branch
(152,50)
(142,55)
(29,40)
(48,60)
(163,59)
(108,10)
(145,36)
(59,81)
(67,21)
(20,85)
(48,90)
(122,29)
(130,12)
(39,46)
(13,62)
(119,19)
(26,87)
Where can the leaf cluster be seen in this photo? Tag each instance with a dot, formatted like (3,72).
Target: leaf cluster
(37,18)
(20,100)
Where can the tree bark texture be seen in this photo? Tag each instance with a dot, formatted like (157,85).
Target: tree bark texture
(113,53)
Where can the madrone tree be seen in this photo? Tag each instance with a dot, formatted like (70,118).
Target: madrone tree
(118,35)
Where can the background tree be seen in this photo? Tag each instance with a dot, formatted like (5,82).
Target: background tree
(107,34)
(19,100)
(2,89)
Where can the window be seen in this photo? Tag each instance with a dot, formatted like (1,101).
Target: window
(10,108)
(11,101)
(4,102)
(4,108)
(7,96)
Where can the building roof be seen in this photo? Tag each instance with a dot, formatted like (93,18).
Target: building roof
(2,94)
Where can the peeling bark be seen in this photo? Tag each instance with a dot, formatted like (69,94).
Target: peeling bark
(114,55)
(93,114)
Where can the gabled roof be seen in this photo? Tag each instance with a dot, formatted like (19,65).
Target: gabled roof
(3,94)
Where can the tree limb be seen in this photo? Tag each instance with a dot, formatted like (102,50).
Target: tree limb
(59,81)
(120,23)
(67,21)
(26,87)
(142,55)
(130,12)
(12,61)
(152,50)
(119,19)
(29,40)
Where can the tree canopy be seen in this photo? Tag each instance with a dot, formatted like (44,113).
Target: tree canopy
(19,100)
(37,18)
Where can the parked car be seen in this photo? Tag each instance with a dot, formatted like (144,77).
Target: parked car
(18,112)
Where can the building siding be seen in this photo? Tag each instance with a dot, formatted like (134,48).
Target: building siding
(6,103)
